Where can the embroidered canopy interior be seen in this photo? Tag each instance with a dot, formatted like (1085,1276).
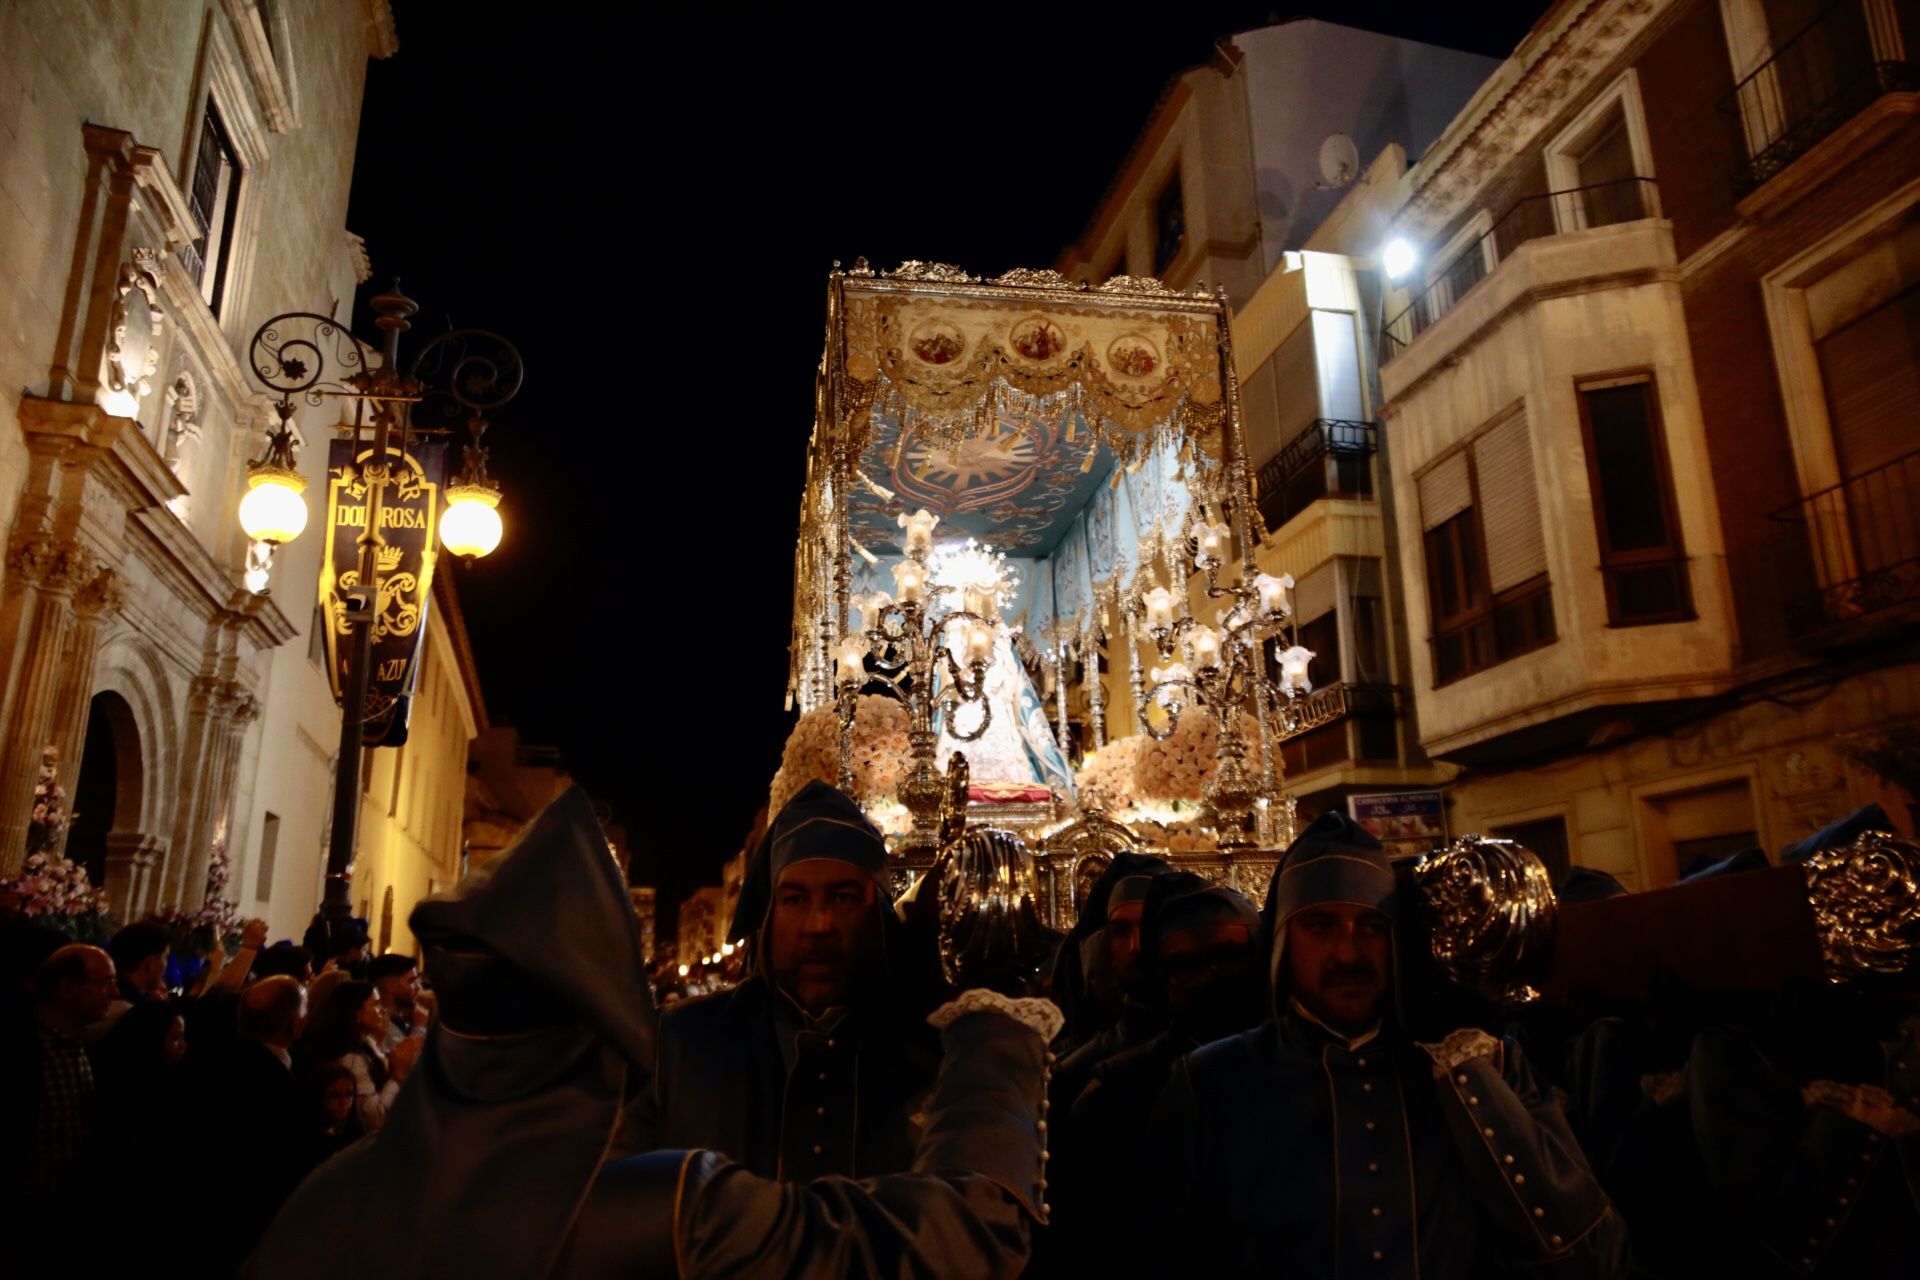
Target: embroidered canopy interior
(1073,428)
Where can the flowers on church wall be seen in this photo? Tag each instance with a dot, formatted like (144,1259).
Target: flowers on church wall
(56,892)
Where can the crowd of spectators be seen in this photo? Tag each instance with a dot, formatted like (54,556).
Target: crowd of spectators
(141,1090)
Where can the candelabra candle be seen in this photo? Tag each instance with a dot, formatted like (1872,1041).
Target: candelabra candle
(1204,642)
(872,609)
(1213,540)
(1275,593)
(849,660)
(1173,672)
(978,644)
(1293,670)
(919,527)
(1160,605)
(910,581)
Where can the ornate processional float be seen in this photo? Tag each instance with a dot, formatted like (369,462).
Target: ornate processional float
(1026,485)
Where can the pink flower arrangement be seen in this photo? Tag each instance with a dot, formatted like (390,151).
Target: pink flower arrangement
(217,916)
(881,753)
(57,892)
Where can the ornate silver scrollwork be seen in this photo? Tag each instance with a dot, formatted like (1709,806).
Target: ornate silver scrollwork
(1490,914)
(1866,905)
(988,918)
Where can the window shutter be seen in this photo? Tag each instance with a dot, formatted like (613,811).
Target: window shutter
(1509,505)
(1313,594)
(1871,370)
(1444,491)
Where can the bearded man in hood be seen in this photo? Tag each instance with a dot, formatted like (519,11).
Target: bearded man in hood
(1327,1142)
(816,1064)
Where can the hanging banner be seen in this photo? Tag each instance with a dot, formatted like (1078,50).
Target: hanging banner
(409,524)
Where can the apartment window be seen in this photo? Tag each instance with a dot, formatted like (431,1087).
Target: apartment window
(1461,263)
(1871,376)
(1641,557)
(269,849)
(213,196)
(1488,596)
(1547,837)
(1169,223)
(1599,161)
(1687,828)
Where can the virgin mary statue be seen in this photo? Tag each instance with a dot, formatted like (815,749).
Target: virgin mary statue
(1018,749)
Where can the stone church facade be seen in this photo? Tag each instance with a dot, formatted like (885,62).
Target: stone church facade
(170,176)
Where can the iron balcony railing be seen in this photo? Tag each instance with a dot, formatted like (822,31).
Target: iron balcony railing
(1601,204)
(1863,536)
(1332,456)
(1336,702)
(1818,79)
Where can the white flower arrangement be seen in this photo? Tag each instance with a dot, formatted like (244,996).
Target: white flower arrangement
(1105,779)
(881,755)
(1179,766)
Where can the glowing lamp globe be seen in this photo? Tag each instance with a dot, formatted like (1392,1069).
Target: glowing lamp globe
(471,526)
(273,510)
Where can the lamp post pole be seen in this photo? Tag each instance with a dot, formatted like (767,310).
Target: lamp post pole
(393,314)
(316,357)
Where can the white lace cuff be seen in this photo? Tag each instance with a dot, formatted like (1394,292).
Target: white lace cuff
(1463,1045)
(1036,1013)
(1868,1103)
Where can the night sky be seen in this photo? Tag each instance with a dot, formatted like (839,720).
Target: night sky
(649,207)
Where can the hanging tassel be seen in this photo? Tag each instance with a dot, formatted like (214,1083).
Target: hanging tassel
(863,553)
(1088,464)
(879,491)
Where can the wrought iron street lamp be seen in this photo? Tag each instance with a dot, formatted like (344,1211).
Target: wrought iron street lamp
(464,374)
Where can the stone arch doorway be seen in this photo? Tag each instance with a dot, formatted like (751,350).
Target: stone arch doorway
(107,794)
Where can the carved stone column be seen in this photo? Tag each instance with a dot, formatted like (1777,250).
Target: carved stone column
(219,712)
(132,857)
(42,575)
(93,605)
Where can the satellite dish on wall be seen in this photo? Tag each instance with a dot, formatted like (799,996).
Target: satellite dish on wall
(1339,160)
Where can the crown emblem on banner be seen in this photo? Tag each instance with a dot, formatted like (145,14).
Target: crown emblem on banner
(388,558)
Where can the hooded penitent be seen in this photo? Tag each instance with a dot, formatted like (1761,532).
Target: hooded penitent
(1335,860)
(546,1021)
(1179,902)
(790,1095)
(819,822)
(1084,951)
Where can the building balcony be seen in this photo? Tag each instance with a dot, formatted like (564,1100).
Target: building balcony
(1342,727)
(1330,459)
(1850,56)
(1573,211)
(1524,667)
(1862,537)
